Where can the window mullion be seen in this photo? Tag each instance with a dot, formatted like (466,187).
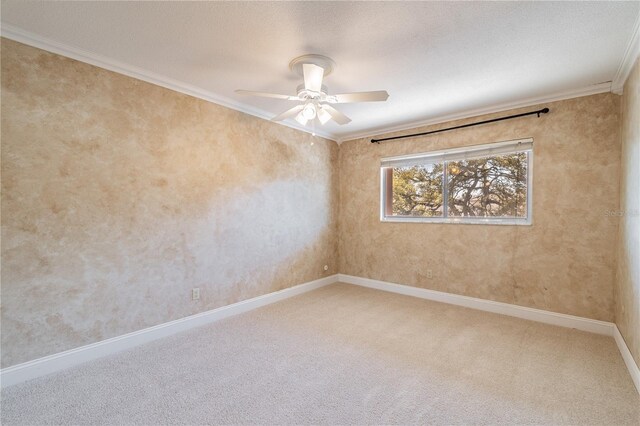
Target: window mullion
(445,191)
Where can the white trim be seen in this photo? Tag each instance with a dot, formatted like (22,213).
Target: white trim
(463,152)
(634,371)
(455,154)
(630,56)
(531,314)
(25,37)
(62,360)
(82,55)
(525,221)
(560,96)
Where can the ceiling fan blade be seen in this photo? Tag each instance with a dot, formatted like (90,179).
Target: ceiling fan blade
(313,75)
(288,113)
(375,96)
(336,115)
(323,115)
(268,95)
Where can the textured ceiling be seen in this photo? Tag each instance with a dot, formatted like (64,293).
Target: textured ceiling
(434,58)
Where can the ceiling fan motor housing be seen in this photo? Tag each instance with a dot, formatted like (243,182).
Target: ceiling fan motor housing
(308,94)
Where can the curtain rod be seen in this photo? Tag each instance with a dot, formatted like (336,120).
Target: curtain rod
(540,111)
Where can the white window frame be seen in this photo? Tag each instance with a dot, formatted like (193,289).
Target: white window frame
(469,152)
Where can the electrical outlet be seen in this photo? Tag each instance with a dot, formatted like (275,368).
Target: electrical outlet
(429,273)
(195,294)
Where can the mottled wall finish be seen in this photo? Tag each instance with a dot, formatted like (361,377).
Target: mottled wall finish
(119,196)
(564,262)
(627,289)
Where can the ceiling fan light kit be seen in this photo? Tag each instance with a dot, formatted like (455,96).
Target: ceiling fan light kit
(314,96)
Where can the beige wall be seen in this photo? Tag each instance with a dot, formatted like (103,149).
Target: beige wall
(627,288)
(119,197)
(564,262)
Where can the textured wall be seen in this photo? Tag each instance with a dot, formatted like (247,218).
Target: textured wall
(564,262)
(119,196)
(627,289)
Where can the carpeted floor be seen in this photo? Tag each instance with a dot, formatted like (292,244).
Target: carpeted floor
(345,355)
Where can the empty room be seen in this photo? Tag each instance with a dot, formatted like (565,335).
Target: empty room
(318,212)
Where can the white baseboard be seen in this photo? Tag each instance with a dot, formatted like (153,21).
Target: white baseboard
(538,315)
(62,360)
(634,371)
(547,317)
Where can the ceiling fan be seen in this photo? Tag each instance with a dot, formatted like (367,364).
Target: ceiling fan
(315,100)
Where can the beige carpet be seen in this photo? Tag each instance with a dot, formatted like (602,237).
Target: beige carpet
(345,355)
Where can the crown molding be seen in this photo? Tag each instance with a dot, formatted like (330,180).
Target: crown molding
(630,55)
(34,40)
(28,38)
(559,96)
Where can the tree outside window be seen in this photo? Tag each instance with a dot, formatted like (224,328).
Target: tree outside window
(488,187)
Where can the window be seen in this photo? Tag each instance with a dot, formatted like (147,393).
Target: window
(487,184)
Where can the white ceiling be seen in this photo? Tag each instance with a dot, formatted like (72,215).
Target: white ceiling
(435,59)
